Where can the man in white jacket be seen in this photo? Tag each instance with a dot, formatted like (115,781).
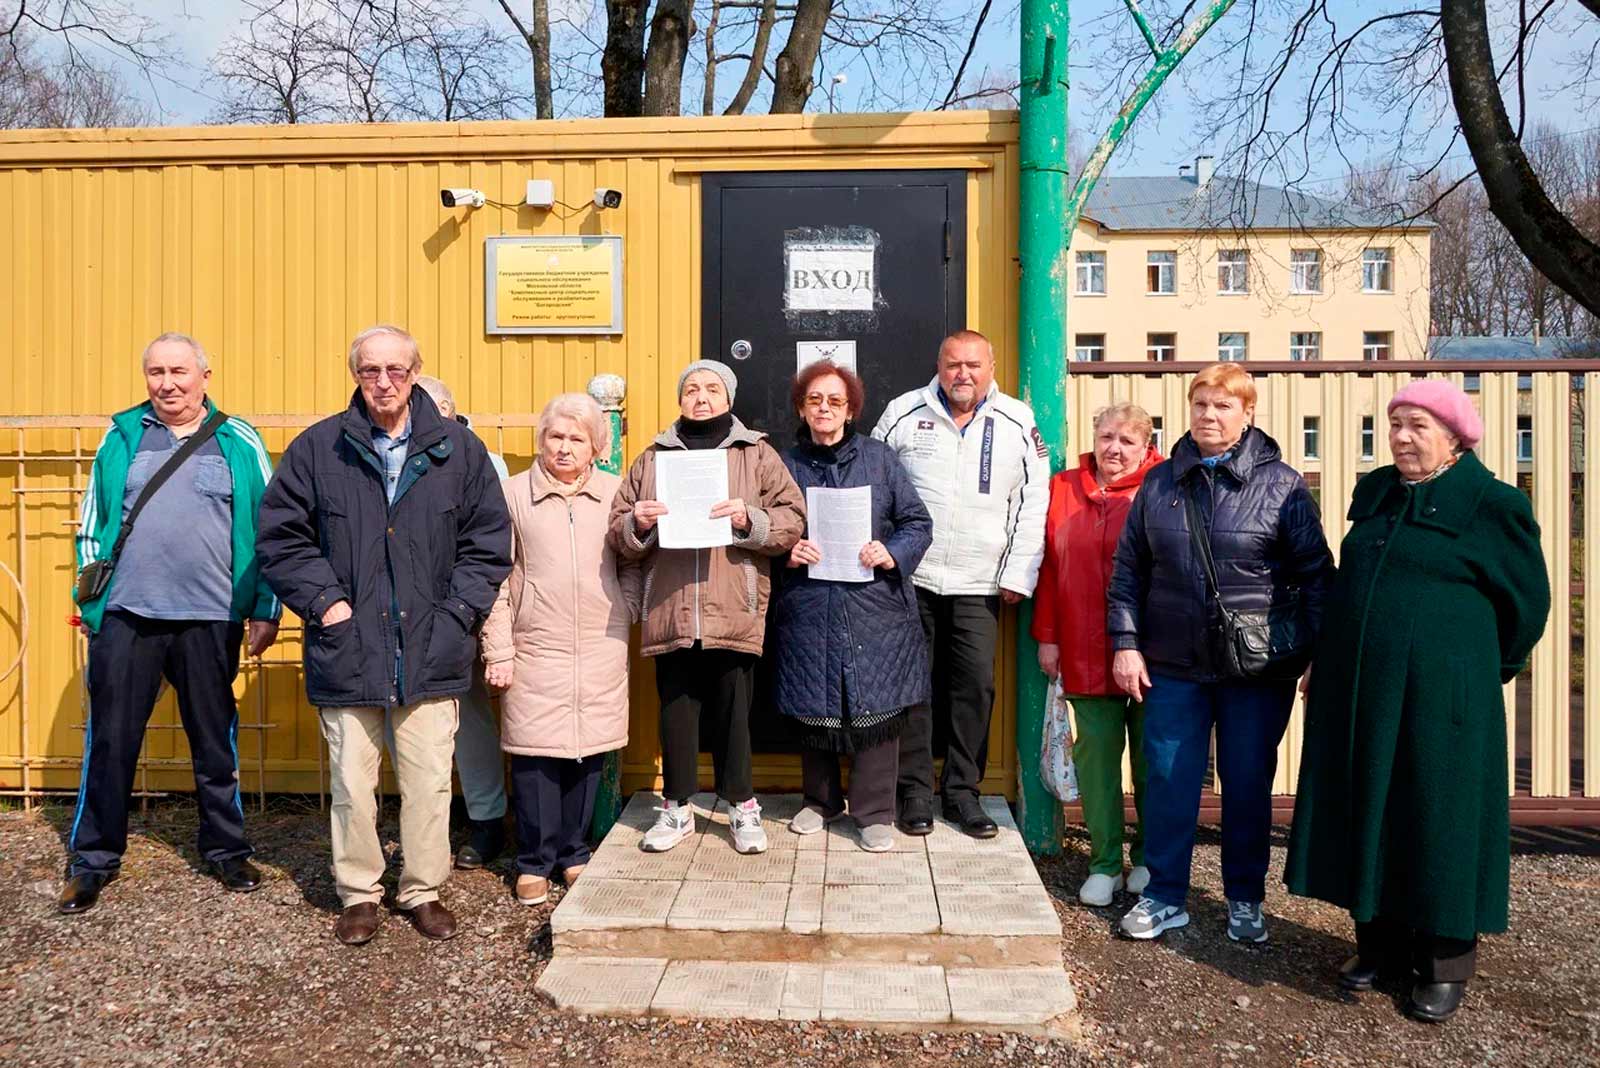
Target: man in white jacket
(983,470)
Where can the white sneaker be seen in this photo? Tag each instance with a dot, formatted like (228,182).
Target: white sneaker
(878,838)
(674,823)
(808,821)
(1138,879)
(748,834)
(1098,889)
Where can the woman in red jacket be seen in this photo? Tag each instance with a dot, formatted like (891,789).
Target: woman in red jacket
(1088,506)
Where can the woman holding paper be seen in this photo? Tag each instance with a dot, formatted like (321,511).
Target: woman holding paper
(850,655)
(706,580)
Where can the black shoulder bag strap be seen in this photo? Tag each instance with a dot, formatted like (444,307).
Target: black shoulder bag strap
(96,576)
(1202,544)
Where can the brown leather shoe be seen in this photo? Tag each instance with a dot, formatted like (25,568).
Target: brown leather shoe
(358,923)
(434,921)
(532,890)
(570,875)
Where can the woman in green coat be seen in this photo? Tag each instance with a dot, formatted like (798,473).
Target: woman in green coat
(1401,814)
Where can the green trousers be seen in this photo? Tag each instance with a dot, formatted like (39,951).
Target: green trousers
(1102,724)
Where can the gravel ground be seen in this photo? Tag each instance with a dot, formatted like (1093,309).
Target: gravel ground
(169,970)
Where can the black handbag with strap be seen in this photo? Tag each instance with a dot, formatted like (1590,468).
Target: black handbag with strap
(95,578)
(1257,644)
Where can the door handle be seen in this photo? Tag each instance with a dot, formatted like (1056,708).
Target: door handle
(741,350)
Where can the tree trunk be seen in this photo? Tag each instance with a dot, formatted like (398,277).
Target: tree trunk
(544,107)
(799,57)
(622,65)
(758,59)
(663,65)
(1547,237)
(708,94)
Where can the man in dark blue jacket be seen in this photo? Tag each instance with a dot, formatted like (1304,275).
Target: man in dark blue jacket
(384,529)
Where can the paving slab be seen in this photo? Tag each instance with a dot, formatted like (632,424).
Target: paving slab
(845,835)
(717,861)
(614,860)
(855,868)
(804,915)
(730,906)
(810,867)
(892,993)
(999,911)
(613,986)
(992,869)
(879,909)
(802,993)
(597,904)
(948,838)
(746,990)
(999,810)
(1009,995)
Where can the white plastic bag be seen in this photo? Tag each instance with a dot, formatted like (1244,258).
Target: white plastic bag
(1055,753)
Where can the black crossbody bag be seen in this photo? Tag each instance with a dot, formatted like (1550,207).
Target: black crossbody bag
(1270,644)
(95,578)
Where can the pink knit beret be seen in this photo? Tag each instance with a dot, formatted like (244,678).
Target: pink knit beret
(1446,403)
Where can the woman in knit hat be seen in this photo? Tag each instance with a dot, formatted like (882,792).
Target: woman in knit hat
(705,609)
(1401,813)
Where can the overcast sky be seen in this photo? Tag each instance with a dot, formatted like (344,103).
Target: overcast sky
(1163,139)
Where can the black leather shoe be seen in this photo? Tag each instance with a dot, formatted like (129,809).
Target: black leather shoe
(485,841)
(1435,1002)
(237,874)
(969,816)
(82,891)
(1358,974)
(916,816)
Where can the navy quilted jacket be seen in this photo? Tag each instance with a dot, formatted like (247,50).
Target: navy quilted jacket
(845,646)
(1266,538)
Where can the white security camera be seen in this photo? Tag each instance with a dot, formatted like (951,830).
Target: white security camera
(607,198)
(466,198)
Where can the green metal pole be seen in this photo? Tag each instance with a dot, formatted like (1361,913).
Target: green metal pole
(1042,330)
(609,391)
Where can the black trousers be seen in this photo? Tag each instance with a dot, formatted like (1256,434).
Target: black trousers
(962,632)
(554,803)
(1435,959)
(127,660)
(872,782)
(706,691)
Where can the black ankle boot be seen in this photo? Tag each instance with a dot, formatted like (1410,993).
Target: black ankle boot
(485,840)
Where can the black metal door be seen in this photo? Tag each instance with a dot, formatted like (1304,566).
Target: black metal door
(826,263)
(823,262)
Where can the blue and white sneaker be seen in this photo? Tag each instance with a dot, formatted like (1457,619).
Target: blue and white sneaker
(1150,919)
(1245,922)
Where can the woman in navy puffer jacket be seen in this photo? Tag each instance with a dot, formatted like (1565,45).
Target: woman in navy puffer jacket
(850,657)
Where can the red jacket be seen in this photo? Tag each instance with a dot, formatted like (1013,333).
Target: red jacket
(1081,534)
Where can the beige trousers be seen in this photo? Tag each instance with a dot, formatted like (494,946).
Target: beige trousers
(421,744)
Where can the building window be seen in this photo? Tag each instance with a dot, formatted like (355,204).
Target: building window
(1377,270)
(1369,438)
(1525,439)
(1157,435)
(1471,383)
(1089,348)
(1377,345)
(1161,276)
(1313,436)
(1305,346)
(1092,273)
(1161,348)
(1233,270)
(1233,347)
(1305,266)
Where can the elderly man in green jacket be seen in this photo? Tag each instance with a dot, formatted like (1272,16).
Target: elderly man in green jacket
(182,586)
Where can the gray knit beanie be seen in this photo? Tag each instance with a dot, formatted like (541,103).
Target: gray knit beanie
(730,381)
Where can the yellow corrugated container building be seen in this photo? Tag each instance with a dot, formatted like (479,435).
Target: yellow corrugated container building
(273,246)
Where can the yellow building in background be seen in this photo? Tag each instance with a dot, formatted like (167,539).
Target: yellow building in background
(1201,267)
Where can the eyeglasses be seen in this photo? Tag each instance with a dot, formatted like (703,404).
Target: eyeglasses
(817,400)
(396,375)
